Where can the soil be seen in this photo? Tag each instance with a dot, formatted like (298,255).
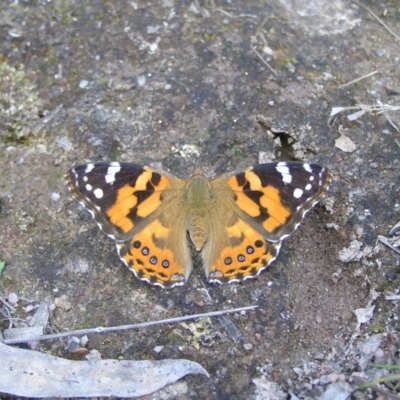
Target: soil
(219,85)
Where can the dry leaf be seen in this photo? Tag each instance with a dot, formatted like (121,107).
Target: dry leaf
(33,374)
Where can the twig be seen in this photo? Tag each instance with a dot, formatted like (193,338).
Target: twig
(255,50)
(359,79)
(7,304)
(204,12)
(260,57)
(377,18)
(393,297)
(386,242)
(363,384)
(380,108)
(101,329)
(386,114)
(222,11)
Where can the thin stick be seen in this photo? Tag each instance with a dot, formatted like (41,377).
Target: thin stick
(394,297)
(101,329)
(386,114)
(260,57)
(386,242)
(235,16)
(363,384)
(377,18)
(359,79)
(255,50)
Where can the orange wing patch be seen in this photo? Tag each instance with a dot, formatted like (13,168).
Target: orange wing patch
(258,201)
(149,259)
(247,256)
(144,198)
(278,214)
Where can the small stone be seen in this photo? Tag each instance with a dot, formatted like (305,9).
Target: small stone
(63,303)
(83,83)
(299,371)
(345,144)
(158,349)
(84,340)
(73,344)
(141,80)
(380,52)
(28,308)
(12,299)
(55,196)
(94,355)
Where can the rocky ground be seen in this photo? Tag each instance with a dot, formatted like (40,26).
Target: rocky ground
(220,85)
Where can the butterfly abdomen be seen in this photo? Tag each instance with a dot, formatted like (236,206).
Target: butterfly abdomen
(197,228)
(198,197)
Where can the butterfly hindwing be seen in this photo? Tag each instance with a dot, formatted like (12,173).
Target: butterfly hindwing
(246,253)
(159,253)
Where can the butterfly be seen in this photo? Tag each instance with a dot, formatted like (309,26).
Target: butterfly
(236,222)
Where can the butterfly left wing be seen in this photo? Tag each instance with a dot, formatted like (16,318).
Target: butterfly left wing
(268,201)
(141,209)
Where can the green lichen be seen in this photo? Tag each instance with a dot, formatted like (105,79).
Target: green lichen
(19,104)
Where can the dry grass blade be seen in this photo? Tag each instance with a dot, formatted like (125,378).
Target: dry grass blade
(127,327)
(386,114)
(256,51)
(378,19)
(359,79)
(361,109)
(387,243)
(373,385)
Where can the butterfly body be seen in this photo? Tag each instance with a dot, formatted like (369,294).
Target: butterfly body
(236,222)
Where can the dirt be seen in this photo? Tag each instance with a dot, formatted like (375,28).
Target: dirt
(178,85)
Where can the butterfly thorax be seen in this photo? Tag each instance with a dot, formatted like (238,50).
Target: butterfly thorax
(198,197)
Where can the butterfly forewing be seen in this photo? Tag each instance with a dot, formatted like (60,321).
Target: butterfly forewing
(119,195)
(276,196)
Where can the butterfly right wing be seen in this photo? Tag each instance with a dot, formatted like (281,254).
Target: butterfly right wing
(120,196)
(255,210)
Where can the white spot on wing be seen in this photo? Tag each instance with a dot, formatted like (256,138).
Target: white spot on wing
(110,178)
(283,169)
(85,178)
(308,187)
(89,167)
(307,167)
(297,193)
(88,187)
(113,169)
(98,193)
